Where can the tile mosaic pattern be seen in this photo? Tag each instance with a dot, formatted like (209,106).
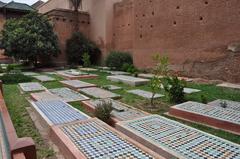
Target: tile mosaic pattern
(77,84)
(59,112)
(224,114)
(44,78)
(182,141)
(120,111)
(68,95)
(144,94)
(96,141)
(230,104)
(99,93)
(133,81)
(31,87)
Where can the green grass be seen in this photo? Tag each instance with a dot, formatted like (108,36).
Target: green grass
(23,124)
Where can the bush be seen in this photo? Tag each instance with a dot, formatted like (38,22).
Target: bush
(15,78)
(203,99)
(175,89)
(129,68)
(103,111)
(77,45)
(116,60)
(86,60)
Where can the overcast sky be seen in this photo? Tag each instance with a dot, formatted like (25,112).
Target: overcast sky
(30,2)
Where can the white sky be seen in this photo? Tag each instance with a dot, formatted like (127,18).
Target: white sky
(30,2)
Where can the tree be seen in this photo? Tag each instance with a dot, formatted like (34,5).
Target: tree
(77,45)
(29,38)
(76,5)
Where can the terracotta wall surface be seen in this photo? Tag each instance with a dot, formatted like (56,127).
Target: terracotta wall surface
(53,4)
(194,34)
(64,22)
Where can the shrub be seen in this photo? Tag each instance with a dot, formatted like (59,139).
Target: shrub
(175,89)
(203,99)
(129,68)
(77,45)
(15,78)
(1,69)
(86,60)
(10,68)
(103,111)
(116,60)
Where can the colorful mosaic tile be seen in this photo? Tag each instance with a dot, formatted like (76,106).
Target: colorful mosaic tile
(31,87)
(59,112)
(96,141)
(99,93)
(76,84)
(44,78)
(68,95)
(180,140)
(120,111)
(145,94)
(229,104)
(223,114)
(133,81)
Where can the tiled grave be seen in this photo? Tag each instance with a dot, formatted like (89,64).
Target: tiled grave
(30,73)
(31,87)
(44,96)
(58,112)
(224,118)
(68,95)
(121,111)
(96,140)
(133,81)
(112,87)
(172,139)
(99,93)
(229,85)
(144,94)
(229,104)
(88,69)
(44,78)
(76,84)
(191,90)
(75,74)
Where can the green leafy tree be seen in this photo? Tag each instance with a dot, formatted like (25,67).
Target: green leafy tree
(77,45)
(29,38)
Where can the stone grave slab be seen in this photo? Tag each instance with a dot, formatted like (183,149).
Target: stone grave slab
(223,118)
(75,74)
(58,112)
(229,85)
(133,81)
(172,139)
(191,90)
(146,75)
(144,94)
(103,68)
(44,96)
(118,73)
(44,78)
(31,87)
(96,140)
(121,111)
(112,87)
(30,73)
(76,84)
(99,93)
(68,95)
(88,69)
(230,104)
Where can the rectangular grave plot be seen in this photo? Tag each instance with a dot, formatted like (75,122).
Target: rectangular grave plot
(76,84)
(121,111)
(112,87)
(144,94)
(191,90)
(99,93)
(58,112)
(173,139)
(229,85)
(75,75)
(68,95)
(223,118)
(31,87)
(133,81)
(30,73)
(229,104)
(95,139)
(44,96)
(44,78)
